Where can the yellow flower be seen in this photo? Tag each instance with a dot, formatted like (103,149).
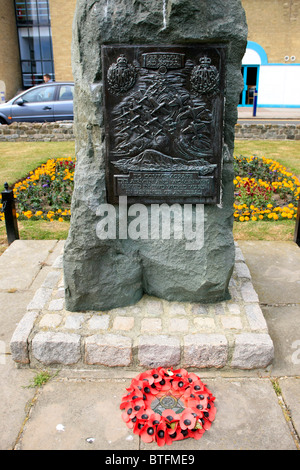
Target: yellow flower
(60,219)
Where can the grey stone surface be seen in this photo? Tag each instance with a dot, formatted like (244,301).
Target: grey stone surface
(210,350)
(252,348)
(290,389)
(19,340)
(108,350)
(105,274)
(56,348)
(274,264)
(24,262)
(86,402)
(160,350)
(98,322)
(255,317)
(171,321)
(41,297)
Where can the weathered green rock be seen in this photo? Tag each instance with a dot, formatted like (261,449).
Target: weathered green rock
(104,274)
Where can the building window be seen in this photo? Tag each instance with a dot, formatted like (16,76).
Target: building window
(35,41)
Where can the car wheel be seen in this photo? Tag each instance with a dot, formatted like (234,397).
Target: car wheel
(2,121)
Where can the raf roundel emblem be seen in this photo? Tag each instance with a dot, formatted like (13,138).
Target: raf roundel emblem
(205,77)
(121,76)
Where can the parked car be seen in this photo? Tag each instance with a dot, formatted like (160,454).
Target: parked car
(48,102)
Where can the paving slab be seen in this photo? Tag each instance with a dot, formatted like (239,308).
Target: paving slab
(275,270)
(15,398)
(248,418)
(290,388)
(284,329)
(21,262)
(85,415)
(78,415)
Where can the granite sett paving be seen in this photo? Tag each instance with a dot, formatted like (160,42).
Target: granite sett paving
(153,332)
(79,407)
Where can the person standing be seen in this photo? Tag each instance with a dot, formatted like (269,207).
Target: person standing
(47,78)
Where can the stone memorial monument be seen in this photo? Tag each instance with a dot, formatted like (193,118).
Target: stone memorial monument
(157,88)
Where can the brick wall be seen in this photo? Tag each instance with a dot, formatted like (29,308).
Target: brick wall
(10,71)
(62,13)
(274,24)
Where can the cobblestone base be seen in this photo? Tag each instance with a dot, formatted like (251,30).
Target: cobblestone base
(152,333)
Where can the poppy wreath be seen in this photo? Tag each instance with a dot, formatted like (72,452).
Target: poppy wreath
(166,405)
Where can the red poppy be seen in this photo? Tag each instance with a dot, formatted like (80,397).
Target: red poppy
(162,436)
(170,416)
(188,419)
(148,433)
(196,433)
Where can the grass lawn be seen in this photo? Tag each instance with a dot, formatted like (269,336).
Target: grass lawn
(17,159)
(285,152)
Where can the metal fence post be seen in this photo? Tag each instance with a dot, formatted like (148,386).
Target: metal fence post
(10,213)
(297,228)
(255,102)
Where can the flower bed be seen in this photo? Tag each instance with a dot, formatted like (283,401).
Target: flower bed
(264,190)
(46,192)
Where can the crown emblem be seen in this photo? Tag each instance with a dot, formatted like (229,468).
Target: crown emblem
(121,76)
(205,77)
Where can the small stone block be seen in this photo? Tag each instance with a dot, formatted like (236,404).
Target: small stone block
(178,324)
(154,307)
(56,348)
(108,350)
(151,324)
(255,317)
(41,297)
(204,323)
(74,322)
(155,351)
(242,270)
(252,351)
(123,323)
(98,322)
(209,350)
(234,323)
(56,305)
(199,309)
(52,279)
(248,293)
(234,309)
(19,340)
(50,320)
(177,309)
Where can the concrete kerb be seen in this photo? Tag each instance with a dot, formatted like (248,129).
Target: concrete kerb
(227,335)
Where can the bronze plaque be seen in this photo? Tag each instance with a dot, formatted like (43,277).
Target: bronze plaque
(164,122)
